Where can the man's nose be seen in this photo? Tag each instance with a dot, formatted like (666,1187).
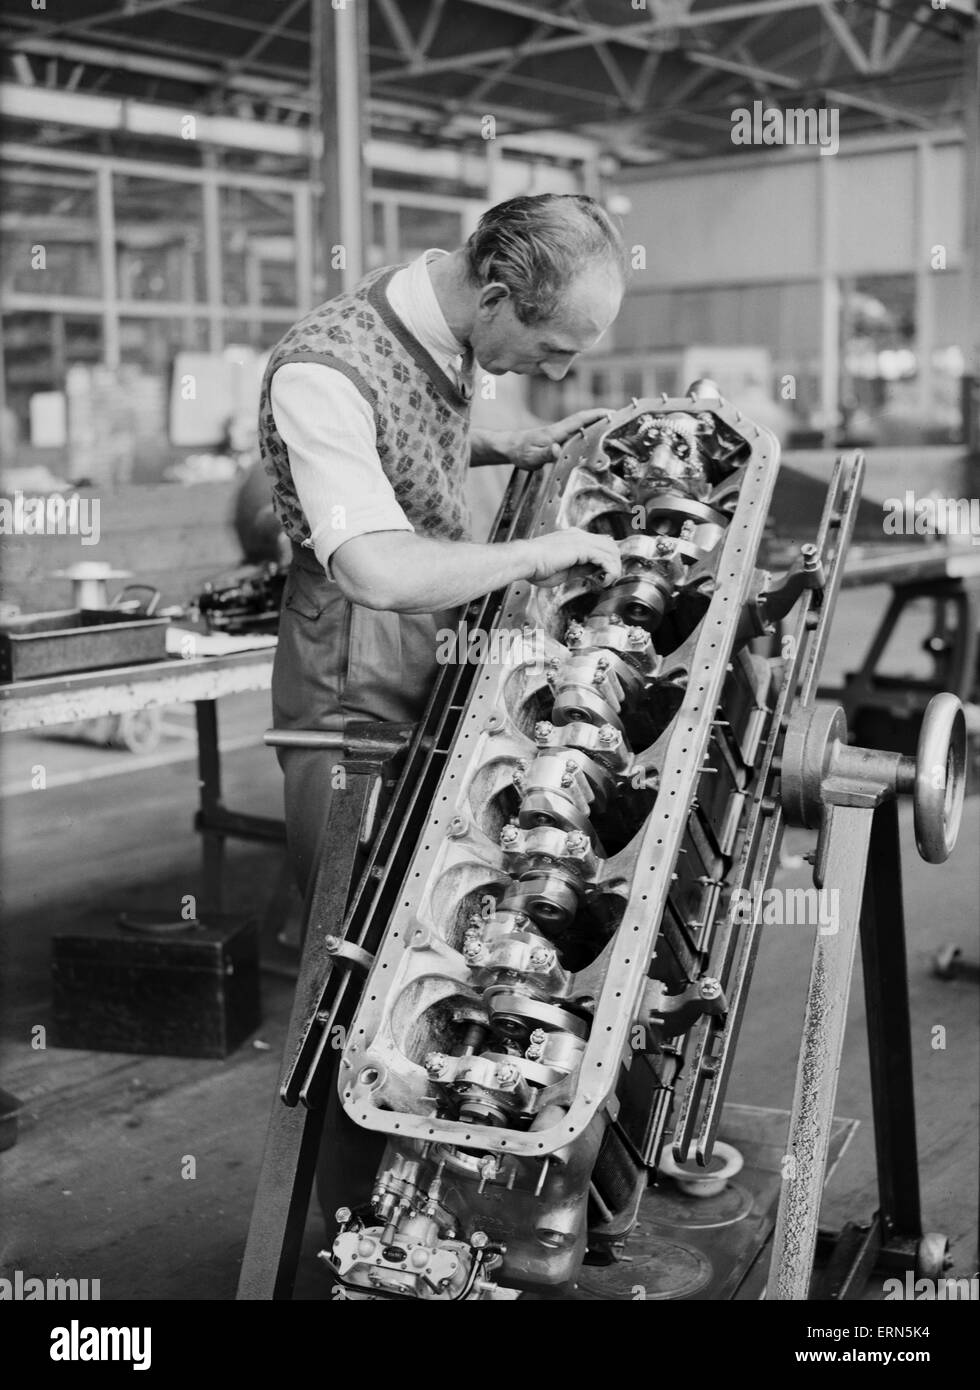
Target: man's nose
(555,371)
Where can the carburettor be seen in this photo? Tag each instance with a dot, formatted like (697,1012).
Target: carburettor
(559,945)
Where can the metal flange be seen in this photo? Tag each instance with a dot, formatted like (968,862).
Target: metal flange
(820,769)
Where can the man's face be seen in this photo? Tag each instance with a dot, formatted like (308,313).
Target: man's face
(501,343)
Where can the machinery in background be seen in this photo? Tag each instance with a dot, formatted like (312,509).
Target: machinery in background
(244,600)
(542,968)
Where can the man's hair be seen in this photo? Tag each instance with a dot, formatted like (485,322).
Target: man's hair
(536,246)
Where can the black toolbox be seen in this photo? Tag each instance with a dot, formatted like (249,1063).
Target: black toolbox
(182,989)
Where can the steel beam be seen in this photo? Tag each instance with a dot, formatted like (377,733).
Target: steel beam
(641,36)
(799,84)
(908,36)
(879,34)
(275,27)
(845,37)
(131,9)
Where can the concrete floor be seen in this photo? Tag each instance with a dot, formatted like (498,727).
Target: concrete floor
(93,1189)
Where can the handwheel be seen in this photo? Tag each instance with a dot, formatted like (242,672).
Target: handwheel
(932,1256)
(940,778)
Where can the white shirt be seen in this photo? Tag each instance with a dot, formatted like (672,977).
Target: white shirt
(329,431)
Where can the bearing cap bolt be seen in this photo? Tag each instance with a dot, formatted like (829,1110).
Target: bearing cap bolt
(509,836)
(608,736)
(709,988)
(543,730)
(637,637)
(436,1064)
(479,1240)
(665,546)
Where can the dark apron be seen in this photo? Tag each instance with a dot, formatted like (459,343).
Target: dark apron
(336,659)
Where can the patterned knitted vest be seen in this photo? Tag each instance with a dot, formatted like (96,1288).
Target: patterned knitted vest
(421,418)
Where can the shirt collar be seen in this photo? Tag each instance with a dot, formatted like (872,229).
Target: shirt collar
(423,317)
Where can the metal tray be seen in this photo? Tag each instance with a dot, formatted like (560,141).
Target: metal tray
(77,639)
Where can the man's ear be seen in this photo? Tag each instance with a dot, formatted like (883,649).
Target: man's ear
(493,297)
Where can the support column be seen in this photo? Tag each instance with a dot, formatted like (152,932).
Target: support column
(213,270)
(830,303)
(107,263)
(971,250)
(925,299)
(340,94)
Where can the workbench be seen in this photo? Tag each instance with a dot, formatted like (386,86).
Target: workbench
(197,680)
(884,710)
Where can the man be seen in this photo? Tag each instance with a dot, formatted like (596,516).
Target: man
(364,428)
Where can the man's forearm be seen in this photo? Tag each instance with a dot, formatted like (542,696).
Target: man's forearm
(401,572)
(491,447)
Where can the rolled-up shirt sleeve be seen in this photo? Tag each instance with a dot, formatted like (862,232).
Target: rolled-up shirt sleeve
(328,428)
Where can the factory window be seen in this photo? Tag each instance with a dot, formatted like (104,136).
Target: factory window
(880,367)
(159,240)
(377,253)
(261,334)
(152,343)
(258,248)
(39,350)
(422,227)
(50,235)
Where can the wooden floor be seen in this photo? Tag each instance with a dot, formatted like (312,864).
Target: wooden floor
(94,1187)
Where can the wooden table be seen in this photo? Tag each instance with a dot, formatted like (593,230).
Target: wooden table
(197,680)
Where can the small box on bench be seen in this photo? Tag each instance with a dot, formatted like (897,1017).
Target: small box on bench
(181,990)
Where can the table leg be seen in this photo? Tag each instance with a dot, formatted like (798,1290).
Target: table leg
(209,803)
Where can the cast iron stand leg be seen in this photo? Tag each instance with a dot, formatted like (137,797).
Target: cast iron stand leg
(889,1031)
(794,1241)
(282,1198)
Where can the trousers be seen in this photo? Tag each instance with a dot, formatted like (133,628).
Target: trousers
(339,660)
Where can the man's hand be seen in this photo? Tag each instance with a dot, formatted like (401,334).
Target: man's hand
(563,555)
(533,448)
